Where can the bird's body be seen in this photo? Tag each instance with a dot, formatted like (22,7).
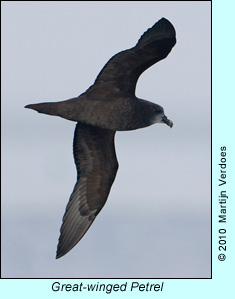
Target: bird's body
(118,114)
(109,105)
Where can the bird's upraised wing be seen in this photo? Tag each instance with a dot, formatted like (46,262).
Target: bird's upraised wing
(96,163)
(123,69)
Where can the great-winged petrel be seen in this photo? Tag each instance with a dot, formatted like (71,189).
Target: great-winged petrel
(109,105)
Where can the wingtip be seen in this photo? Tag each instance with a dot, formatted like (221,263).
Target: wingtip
(58,256)
(163,28)
(167,25)
(164,19)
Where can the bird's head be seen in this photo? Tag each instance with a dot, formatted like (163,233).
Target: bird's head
(155,114)
(160,117)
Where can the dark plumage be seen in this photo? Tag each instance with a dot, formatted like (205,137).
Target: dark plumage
(109,105)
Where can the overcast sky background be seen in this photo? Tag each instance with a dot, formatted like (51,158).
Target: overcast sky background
(156,222)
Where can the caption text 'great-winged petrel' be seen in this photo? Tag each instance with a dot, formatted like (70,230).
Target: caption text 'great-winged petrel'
(109,105)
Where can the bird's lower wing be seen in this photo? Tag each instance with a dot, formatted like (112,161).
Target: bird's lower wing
(96,162)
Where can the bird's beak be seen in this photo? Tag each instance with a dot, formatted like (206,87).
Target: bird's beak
(167,121)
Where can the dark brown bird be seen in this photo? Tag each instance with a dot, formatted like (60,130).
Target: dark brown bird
(109,105)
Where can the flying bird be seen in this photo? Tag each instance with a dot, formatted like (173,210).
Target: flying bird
(109,105)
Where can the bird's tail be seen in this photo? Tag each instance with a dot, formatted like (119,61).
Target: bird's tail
(46,108)
(68,109)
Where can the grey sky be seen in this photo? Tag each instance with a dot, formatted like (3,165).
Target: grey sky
(156,222)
